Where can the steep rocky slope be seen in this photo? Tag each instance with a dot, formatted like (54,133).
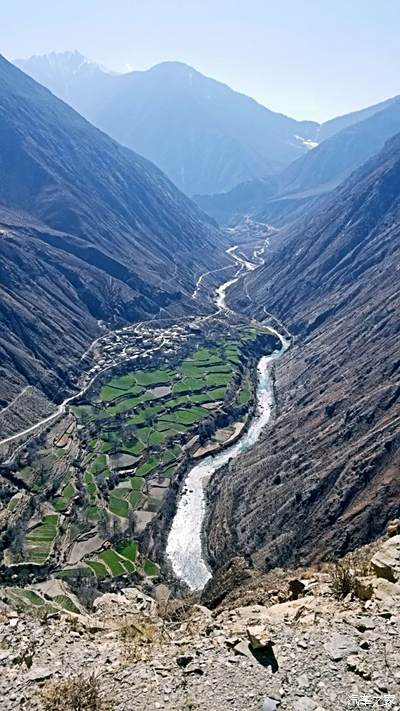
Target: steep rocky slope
(89,231)
(284,643)
(280,198)
(167,112)
(325,477)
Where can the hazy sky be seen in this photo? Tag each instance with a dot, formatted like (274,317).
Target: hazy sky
(307,58)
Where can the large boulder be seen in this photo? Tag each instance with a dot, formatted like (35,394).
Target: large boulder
(386,561)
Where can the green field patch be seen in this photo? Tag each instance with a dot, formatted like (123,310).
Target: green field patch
(136,499)
(169,428)
(128,550)
(156,438)
(134,447)
(32,597)
(189,385)
(66,603)
(244,394)
(99,569)
(150,568)
(153,377)
(129,567)
(117,506)
(189,369)
(106,447)
(40,539)
(171,454)
(93,512)
(99,464)
(113,562)
(73,572)
(137,483)
(188,416)
(62,502)
(143,434)
(216,394)
(218,379)
(148,466)
(138,419)
(121,492)
(83,412)
(200,398)
(202,354)
(108,393)
(123,382)
(124,405)
(168,472)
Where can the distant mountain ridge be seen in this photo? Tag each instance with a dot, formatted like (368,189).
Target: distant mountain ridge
(280,198)
(167,112)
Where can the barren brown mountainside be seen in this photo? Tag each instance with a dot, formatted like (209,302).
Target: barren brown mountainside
(89,231)
(325,478)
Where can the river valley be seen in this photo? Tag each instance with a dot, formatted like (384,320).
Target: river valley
(185,541)
(160,402)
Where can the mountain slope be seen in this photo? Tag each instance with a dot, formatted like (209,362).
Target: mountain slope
(327,471)
(167,112)
(89,230)
(321,170)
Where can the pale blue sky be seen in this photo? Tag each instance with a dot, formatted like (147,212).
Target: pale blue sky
(307,58)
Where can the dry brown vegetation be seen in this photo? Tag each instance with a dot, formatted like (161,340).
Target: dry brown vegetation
(78,693)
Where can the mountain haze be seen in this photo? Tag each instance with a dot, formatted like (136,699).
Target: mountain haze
(278,199)
(169,111)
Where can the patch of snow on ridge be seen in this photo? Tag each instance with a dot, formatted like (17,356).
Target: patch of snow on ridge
(307,142)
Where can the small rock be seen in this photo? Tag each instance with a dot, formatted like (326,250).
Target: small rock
(193,670)
(304,703)
(363,589)
(393,527)
(339,646)
(183,660)
(361,623)
(243,648)
(39,673)
(358,666)
(270,704)
(259,637)
(296,588)
(364,644)
(381,685)
(386,561)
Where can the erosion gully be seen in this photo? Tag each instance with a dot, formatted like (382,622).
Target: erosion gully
(185,541)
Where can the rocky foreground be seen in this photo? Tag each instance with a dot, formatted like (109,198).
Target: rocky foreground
(326,639)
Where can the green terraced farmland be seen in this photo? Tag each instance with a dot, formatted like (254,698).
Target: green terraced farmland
(115,562)
(150,568)
(99,569)
(66,603)
(112,560)
(153,377)
(117,506)
(61,503)
(40,539)
(128,550)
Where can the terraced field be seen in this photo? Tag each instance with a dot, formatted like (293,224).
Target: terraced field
(131,437)
(40,539)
